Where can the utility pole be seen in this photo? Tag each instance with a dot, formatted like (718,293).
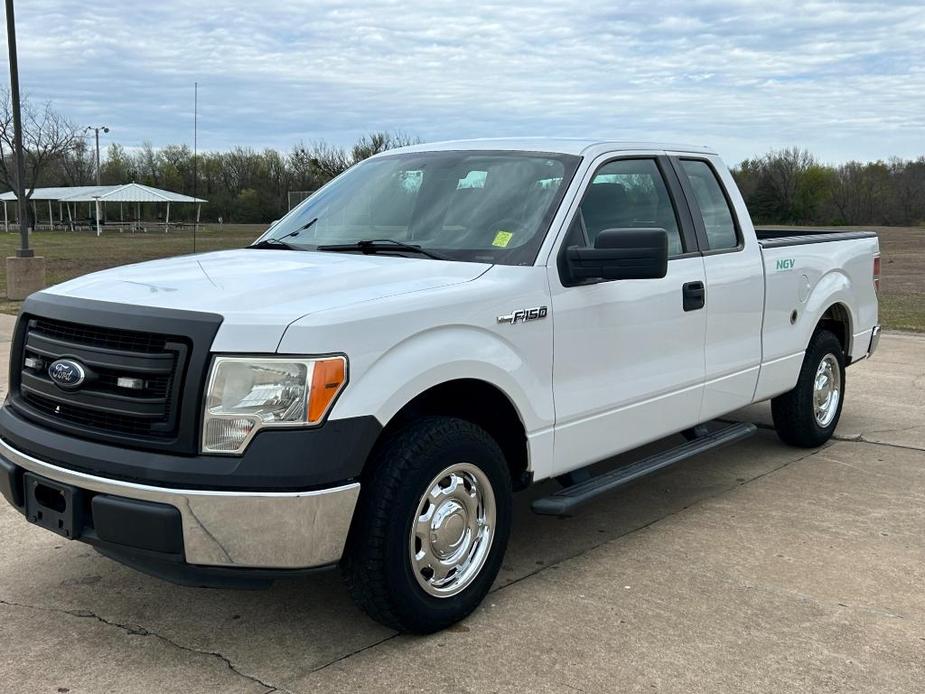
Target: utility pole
(24,251)
(195,143)
(25,272)
(97,131)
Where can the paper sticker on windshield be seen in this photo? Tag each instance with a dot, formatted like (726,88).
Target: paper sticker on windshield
(502,239)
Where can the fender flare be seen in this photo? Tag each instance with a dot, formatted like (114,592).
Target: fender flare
(833,289)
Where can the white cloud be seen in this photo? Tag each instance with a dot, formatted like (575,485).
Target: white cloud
(845,79)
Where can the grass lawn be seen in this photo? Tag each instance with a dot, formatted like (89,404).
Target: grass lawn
(902,278)
(70,254)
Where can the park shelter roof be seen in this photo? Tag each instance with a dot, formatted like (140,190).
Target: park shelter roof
(58,193)
(127,192)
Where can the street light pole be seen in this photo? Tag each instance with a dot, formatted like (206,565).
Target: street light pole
(24,251)
(97,131)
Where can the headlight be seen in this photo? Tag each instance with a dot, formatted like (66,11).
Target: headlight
(248,394)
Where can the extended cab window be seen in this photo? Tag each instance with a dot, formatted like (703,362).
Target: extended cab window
(627,194)
(717,217)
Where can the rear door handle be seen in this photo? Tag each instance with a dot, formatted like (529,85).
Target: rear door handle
(695,296)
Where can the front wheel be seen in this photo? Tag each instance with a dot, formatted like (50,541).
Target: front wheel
(431,525)
(807,415)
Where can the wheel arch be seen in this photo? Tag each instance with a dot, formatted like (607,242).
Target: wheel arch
(501,383)
(837,320)
(481,403)
(830,305)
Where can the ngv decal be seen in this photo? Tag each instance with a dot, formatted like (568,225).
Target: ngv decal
(524,314)
(785,263)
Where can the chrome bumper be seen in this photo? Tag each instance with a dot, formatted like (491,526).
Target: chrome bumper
(874,340)
(268,530)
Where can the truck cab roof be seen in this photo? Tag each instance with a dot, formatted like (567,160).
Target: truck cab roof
(566,145)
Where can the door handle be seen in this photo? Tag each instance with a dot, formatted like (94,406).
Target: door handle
(694,295)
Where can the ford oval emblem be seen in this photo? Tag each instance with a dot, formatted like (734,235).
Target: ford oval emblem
(67,373)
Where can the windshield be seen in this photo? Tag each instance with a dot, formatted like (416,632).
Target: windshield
(479,206)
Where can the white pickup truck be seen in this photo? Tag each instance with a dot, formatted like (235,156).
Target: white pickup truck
(439,326)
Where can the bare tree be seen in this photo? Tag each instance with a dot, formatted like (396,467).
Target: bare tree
(327,160)
(784,170)
(47,137)
(907,181)
(79,165)
(377,142)
(148,164)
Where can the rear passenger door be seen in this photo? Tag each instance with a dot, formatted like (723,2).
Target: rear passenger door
(628,354)
(735,283)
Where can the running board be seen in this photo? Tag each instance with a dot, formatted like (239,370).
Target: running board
(565,501)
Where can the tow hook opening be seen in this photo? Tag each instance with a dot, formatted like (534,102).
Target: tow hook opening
(50,498)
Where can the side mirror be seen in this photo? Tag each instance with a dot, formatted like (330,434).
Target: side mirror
(621,254)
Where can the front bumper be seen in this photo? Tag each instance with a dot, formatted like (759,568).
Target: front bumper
(230,529)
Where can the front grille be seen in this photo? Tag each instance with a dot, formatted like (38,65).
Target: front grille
(88,418)
(92,336)
(142,406)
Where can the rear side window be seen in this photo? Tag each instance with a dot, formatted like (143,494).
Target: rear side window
(717,217)
(630,193)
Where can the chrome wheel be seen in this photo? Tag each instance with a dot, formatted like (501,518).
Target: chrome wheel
(826,390)
(452,530)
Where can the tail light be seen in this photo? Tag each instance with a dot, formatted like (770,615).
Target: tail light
(877,273)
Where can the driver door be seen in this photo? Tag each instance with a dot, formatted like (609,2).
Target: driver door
(628,354)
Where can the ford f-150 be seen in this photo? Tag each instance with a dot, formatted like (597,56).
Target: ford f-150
(439,326)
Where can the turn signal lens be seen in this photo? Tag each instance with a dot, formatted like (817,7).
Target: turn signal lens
(877,273)
(328,378)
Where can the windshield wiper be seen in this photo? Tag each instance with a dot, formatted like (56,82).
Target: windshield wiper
(273,242)
(377,245)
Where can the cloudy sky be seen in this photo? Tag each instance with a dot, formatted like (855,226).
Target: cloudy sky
(844,79)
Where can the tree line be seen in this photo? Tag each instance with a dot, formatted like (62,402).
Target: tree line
(242,185)
(245,185)
(791,186)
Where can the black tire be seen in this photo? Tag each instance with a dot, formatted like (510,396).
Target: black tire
(377,566)
(793,412)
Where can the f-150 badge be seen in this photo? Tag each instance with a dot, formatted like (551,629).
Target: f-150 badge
(524,314)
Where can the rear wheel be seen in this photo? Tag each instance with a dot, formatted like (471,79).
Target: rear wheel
(808,414)
(431,525)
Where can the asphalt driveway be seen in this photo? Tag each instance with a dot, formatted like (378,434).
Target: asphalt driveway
(756,568)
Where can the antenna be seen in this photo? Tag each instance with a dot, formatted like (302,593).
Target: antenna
(195,143)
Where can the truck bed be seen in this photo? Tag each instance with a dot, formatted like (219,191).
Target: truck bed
(806,273)
(776,238)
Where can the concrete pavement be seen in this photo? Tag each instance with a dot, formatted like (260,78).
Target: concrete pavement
(756,568)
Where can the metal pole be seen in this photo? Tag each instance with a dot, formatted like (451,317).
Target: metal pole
(98,232)
(51,217)
(6,220)
(97,130)
(167,219)
(195,143)
(24,251)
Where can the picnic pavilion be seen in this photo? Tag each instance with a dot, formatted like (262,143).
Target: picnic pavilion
(69,202)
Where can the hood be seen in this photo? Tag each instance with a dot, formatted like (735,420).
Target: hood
(260,292)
